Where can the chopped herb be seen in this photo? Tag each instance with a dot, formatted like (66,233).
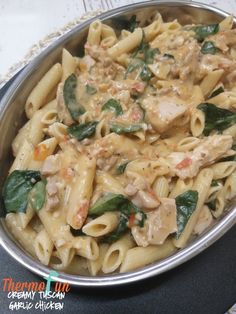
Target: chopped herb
(90,89)
(113,105)
(216,118)
(149,54)
(217,91)
(185,204)
(146,73)
(121,167)
(70,97)
(16,190)
(132,23)
(120,129)
(82,131)
(204,31)
(209,48)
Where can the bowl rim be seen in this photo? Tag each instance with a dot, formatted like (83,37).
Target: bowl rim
(166,264)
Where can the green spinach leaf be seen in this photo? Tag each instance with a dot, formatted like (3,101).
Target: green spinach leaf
(216,118)
(121,167)
(109,202)
(82,131)
(37,195)
(185,204)
(120,129)
(217,91)
(203,31)
(16,190)
(70,97)
(90,89)
(113,105)
(209,48)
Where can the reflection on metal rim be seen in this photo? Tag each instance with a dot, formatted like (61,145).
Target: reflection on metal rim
(192,9)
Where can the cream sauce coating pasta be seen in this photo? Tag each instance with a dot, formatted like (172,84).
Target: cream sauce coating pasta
(135,155)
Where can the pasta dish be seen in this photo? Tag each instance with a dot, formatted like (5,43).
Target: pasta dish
(128,151)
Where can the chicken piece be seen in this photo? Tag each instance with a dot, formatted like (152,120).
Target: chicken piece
(212,148)
(159,224)
(162,112)
(204,220)
(63,113)
(51,165)
(145,199)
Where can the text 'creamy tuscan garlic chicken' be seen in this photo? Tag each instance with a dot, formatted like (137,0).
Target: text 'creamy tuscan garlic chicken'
(133,154)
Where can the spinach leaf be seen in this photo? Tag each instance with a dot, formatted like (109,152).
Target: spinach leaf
(82,131)
(133,23)
(121,167)
(108,202)
(146,73)
(16,190)
(149,54)
(70,97)
(204,31)
(113,105)
(120,129)
(212,204)
(37,195)
(185,204)
(134,64)
(119,231)
(124,23)
(90,89)
(209,48)
(168,56)
(214,183)
(76,233)
(216,92)
(216,118)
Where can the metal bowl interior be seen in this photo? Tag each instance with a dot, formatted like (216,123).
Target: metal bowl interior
(12,117)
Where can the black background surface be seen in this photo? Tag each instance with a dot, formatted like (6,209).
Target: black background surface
(205,284)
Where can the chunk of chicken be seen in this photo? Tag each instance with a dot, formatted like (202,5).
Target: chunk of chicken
(159,224)
(162,112)
(210,149)
(51,165)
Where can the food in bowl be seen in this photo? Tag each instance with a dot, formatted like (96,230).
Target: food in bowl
(128,151)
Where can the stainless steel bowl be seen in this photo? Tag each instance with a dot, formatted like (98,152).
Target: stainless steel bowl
(12,118)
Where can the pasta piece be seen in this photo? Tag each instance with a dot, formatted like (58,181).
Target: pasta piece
(108,183)
(101,225)
(20,137)
(141,256)
(81,192)
(107,31)
(86,247)
(126,44)
(94,33)
(115,255)
(94,266)
(40,92)
(68,64)
(227,23)
(161,187)
(210,81)
(43,247)
(187,144)
(230,187)
(223,169)
(23,157)
(197,122)
(181,186)
(24,236)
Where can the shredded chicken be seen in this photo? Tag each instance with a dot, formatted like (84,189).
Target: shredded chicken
(159,224)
